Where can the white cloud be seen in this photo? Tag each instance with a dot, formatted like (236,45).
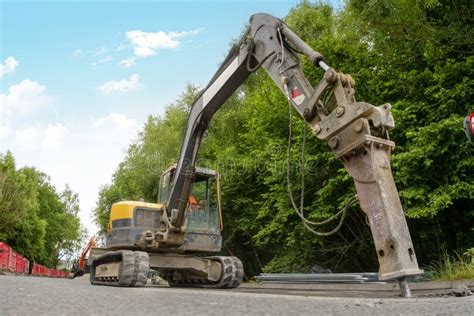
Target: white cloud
(115,120)
(143,51)
(24,97)
(147,43)
(5,116)
(8,66)
(127,63)
(54,136)
(4,128)
(123,85)
(40,137)
(27,137)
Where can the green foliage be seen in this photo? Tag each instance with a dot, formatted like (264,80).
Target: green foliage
(416,55)
(453,267)
(34,219)
(426,71)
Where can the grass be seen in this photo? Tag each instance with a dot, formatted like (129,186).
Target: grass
(456,267)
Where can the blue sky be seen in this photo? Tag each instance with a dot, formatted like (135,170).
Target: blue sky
(79,78)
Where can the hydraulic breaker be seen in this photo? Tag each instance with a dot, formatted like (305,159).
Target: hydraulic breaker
(357,132)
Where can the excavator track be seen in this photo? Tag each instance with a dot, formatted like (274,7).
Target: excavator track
(123,268)
(231,277)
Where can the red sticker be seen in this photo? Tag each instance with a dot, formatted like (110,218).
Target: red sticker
(297,96)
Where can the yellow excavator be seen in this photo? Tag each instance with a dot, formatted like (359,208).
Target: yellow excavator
(180,235)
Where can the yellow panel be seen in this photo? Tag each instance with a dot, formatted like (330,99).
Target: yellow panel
(120,211)
(124,209)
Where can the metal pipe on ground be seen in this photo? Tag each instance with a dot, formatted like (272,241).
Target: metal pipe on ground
(318,277)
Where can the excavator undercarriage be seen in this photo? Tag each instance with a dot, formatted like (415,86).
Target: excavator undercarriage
(128,268)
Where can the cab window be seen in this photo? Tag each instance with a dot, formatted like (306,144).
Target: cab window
(164,188)
(201,212)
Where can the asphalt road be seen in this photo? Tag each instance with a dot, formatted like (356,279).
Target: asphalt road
(20,295)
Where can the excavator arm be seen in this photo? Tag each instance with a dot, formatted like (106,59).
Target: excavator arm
(357,133)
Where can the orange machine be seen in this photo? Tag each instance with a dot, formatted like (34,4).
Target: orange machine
(79,267)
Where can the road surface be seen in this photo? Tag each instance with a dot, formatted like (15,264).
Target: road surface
(22,295)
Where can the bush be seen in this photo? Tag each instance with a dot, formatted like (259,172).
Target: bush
(454,267)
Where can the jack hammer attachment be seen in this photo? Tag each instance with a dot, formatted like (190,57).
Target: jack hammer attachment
(357,132)
(378,197)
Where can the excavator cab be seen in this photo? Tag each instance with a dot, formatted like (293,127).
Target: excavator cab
(139,224)
(203,211)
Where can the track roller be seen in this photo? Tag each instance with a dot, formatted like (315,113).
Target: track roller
(120,268)
(231,275)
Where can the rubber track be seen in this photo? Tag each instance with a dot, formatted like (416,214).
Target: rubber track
(232,275)
(133,270)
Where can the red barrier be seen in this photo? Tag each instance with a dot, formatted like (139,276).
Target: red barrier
(14,262)
(35,269)
(5,251)
(40,270)
(26,269)
(20,264)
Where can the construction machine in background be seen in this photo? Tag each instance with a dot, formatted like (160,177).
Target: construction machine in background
(180,235)
(80,267)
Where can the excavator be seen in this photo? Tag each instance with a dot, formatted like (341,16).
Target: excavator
(180,235)
(79,267)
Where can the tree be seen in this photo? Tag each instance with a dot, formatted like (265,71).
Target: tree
(428,75)
(34,219)
(20,225)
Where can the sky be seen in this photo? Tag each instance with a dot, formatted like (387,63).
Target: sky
(79,78)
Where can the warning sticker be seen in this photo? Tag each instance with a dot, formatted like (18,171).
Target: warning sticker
(297,96)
